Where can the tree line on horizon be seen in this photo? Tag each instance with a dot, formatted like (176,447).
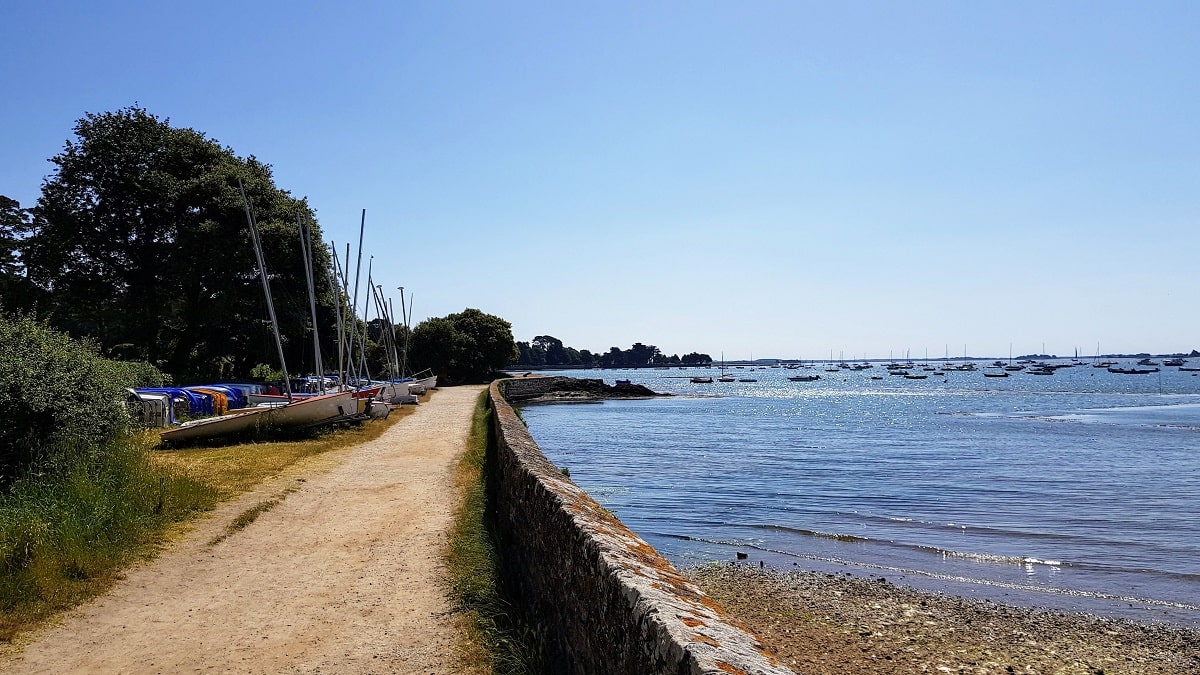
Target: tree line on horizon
(139,244)
(547,350)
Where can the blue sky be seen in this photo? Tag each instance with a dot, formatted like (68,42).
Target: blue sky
(770,178)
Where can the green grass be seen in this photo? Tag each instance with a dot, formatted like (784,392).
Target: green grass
(506,645)
(65,534)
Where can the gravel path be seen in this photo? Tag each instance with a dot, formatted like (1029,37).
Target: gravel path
(825,623)
(343,575)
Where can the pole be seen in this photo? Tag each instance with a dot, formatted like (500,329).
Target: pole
(306,253)
(337,300)
(262,273)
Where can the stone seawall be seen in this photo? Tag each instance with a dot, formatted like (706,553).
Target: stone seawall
(604,599)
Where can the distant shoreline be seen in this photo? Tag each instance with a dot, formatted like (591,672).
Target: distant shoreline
(759,363)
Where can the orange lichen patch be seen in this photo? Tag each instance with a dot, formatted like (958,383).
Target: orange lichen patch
(706,640)
(732,669)
(691,622)
(694,597)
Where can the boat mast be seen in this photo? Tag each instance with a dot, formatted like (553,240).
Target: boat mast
(262,274)
(405,313)
(306,253)
(386,335)
(337,300)
(362,338)
(357,271)
(395,342)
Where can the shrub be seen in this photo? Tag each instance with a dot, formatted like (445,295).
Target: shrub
(59,399)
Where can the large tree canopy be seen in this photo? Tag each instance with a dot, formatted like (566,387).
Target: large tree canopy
(469,346)
(140,240)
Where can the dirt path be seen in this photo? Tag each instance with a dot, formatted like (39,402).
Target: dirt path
(342,576)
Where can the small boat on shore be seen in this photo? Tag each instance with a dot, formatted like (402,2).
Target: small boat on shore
(298,414)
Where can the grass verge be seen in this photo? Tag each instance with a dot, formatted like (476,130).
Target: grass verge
(505,644)
(65,536)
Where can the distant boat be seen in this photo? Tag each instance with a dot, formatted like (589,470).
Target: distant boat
(1132,371)
(995,373)
(915,376)
(622,383)
(747,379)
(724,375)
(1173,362)
(804,378)
(702,380)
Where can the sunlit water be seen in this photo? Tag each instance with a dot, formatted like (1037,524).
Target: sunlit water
(1077,491)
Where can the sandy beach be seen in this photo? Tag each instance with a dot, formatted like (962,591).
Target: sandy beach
(827,623)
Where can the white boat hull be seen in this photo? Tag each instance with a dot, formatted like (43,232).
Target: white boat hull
(299,413)
(314,409)
(394,392)
(216,427)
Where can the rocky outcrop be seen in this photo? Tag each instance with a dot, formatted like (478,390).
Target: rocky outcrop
(548,389)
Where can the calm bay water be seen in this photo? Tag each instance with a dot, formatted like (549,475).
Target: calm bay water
(1079,490)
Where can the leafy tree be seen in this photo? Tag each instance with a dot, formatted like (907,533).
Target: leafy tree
(640,354)
(530,355)
(141,241)
(556,355)
(15,224)
(465,347)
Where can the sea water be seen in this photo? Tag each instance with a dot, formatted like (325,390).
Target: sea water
(1076,491)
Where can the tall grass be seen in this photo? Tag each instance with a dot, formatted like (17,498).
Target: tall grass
(66,532)
(510,646)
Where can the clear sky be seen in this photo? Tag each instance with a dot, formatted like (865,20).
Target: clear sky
(781,179)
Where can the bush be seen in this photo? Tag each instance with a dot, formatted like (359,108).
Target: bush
(59,399)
